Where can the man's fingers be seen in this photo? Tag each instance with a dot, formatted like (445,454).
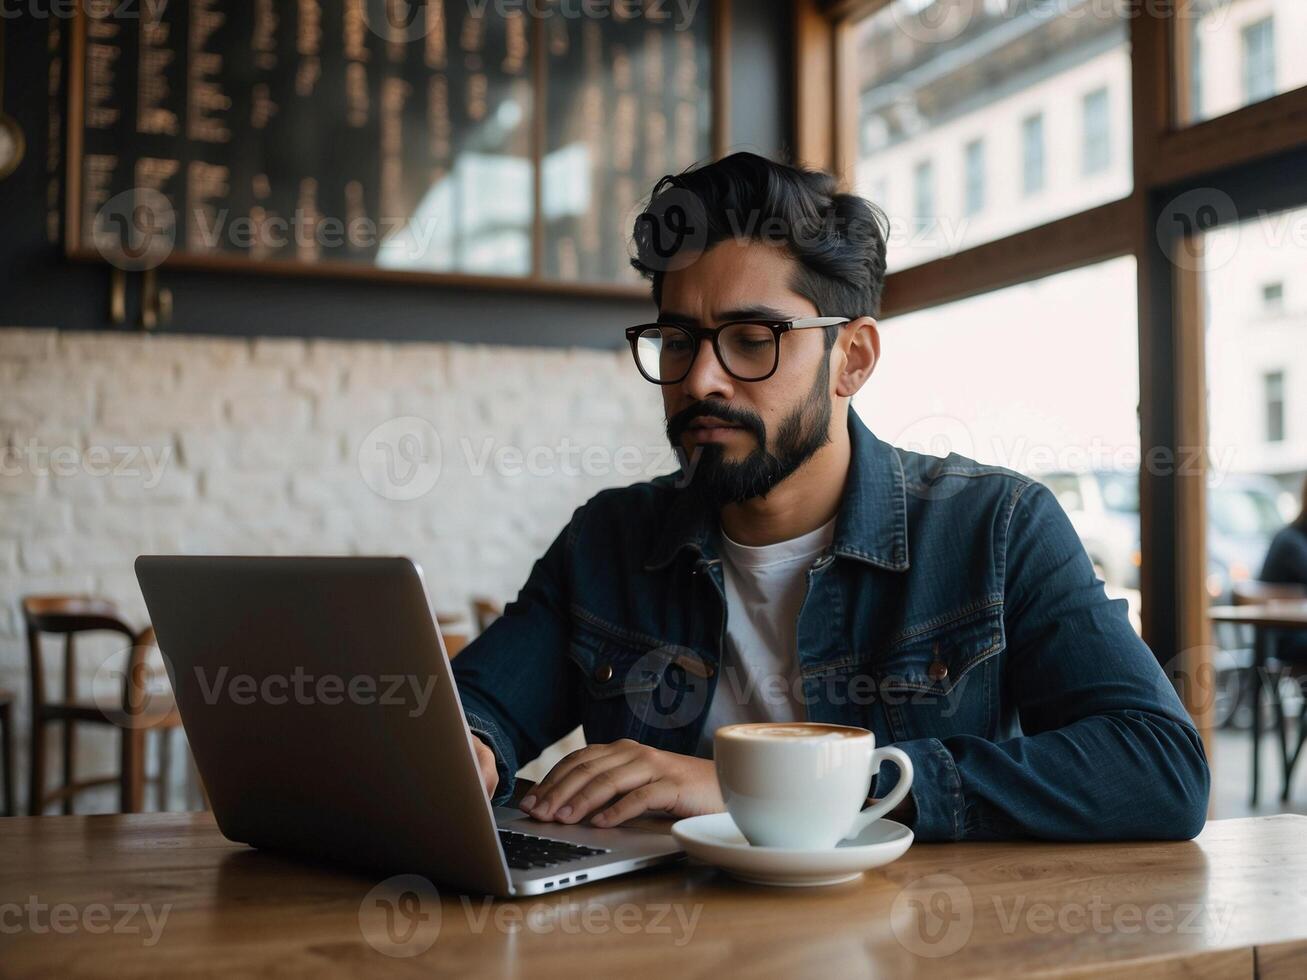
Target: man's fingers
(659,795)
(557,788)
(603,788)
(485,757)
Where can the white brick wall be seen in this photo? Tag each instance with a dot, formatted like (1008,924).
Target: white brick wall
(252,447)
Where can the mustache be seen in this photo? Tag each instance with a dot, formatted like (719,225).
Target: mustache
(678,423)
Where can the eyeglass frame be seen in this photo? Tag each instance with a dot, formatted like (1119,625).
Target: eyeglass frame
(699,334)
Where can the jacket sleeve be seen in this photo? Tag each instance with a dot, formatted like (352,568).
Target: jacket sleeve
(1106,750)
(514,680)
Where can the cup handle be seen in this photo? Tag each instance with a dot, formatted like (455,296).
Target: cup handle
(900,790)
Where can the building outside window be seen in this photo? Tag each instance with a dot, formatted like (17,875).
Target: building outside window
(923,183)
(1032,154)
(975,189)
(1259,60)
(1273,384)
(1097,139)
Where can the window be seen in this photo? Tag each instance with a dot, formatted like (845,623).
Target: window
(1032,154)
(1273,385)
(1075,430)
(975,191)
(923,183)
(927,82)
(1232,59)
(1096,146)
(1066,488)
(1273,297)
(1258,60)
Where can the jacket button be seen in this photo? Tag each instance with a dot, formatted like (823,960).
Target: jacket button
(604,673)
(937,671)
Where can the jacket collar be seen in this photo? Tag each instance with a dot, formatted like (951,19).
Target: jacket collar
(871,527)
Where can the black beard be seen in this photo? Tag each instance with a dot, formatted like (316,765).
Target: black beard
(717,481)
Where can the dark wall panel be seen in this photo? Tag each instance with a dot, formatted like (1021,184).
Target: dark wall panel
(38,287)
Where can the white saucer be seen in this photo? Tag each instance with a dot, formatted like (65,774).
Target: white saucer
(714,839)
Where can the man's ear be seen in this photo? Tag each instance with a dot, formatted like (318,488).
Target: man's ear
(859,341)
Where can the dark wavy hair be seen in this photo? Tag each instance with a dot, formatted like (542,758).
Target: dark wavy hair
(837,240)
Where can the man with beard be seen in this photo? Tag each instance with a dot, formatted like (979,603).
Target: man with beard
(798,568)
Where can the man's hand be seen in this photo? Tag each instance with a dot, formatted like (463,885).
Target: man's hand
(486,763)
(621,780)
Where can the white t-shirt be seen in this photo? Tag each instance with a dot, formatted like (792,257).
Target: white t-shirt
(765,587)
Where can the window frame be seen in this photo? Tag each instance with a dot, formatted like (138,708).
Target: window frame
(1237,154)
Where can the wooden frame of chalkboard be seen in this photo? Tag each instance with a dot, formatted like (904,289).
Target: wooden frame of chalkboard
(76,205)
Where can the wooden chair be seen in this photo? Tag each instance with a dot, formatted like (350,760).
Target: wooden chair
(1263,676)
(7,752)
(486,612)
(453,630)
(137,712)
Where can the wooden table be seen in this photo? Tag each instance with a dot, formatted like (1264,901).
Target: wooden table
(166,895)
(1265,618)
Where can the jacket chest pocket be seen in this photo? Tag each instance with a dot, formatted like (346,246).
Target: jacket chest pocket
(637,689)
(945,681)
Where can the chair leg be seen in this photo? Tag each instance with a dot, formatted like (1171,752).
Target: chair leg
(1255,686)
(69,761)
(165,764)
(36,767)
(1281,736)
(131,789)
(1297,751)
(7,759)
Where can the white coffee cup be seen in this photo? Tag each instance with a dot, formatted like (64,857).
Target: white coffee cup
(802,784)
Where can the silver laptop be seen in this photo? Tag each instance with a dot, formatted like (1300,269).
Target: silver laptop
(321,711)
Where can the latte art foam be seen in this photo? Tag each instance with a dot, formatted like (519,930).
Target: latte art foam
(811,733)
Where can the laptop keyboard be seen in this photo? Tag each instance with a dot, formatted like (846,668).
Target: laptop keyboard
(529,851)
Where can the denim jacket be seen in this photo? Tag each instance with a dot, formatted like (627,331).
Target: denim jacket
(955,615)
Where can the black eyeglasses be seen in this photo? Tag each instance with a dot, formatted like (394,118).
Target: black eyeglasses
(749,350)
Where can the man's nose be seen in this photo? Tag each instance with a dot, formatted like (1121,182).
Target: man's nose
(707,377)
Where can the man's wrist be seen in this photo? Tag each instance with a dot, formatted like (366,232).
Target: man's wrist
(905,812)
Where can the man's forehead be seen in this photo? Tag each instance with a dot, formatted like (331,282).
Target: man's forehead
(734,280)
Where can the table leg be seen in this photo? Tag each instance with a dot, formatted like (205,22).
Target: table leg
(1259,666)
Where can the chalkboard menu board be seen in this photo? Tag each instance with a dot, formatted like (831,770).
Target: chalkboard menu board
(386,138)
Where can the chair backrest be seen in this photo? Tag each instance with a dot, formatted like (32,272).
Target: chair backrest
(1253,593)
(67,615)
(486,611)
